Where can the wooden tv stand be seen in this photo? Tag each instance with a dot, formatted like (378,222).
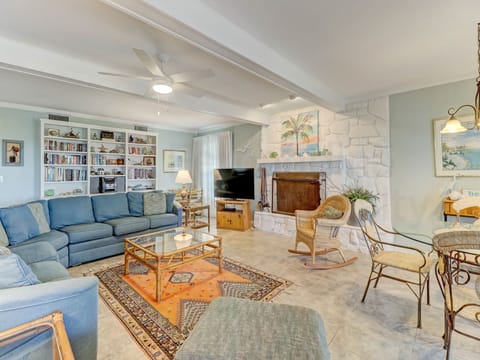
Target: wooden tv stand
(237,219)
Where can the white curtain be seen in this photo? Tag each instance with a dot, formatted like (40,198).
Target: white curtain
(210,152)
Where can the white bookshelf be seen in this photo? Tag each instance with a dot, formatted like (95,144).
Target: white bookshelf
(76,158)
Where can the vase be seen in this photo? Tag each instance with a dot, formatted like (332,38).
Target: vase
(352,220)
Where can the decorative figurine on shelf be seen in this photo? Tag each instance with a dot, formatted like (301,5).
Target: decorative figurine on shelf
(71,134)
(103,149)
(130,139)
(94,136)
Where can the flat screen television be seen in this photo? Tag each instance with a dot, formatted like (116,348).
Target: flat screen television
(234,183)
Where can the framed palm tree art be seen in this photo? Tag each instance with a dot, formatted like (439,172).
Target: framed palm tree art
(300,134)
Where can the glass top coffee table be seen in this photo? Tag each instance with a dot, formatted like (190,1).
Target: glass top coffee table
(168,249)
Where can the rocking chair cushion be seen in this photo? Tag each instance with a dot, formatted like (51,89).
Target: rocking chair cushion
(331,213)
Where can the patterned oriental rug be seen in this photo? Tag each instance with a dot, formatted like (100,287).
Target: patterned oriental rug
(160,328)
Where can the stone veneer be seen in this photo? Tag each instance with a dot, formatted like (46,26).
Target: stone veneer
(361,135)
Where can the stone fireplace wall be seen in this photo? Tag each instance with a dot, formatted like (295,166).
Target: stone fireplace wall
(360,136)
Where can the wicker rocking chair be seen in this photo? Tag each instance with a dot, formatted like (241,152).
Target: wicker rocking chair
(318,229)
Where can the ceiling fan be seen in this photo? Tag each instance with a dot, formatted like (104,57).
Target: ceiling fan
(161,82)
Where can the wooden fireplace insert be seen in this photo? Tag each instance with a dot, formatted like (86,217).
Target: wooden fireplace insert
(297,191)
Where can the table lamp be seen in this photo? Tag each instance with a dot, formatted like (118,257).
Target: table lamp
(184,178)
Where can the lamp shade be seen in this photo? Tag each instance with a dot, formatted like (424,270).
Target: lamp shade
(183,177)
(453,126)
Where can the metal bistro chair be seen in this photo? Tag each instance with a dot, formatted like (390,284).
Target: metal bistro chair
(318,229)
(409,260)
(458,268)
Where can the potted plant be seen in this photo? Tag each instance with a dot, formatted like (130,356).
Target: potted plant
(355,193)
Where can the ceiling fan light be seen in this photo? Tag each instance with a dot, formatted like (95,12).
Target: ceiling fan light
(162,88)
(453,126)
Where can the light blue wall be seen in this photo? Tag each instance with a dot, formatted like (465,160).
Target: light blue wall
(23,183)
(416,192)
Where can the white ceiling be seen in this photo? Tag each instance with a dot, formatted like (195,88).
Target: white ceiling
(262,52)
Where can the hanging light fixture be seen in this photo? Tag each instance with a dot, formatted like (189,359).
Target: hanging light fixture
(162,87)
(453,125)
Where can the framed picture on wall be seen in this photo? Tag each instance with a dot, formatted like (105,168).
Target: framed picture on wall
(173,160)
(12,152)
(456,154)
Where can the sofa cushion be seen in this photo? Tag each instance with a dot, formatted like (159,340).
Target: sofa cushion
(38,213)
(106,207)
(85,232)
(154,203)
(128,225)
(3,235)
(162,220)
(135,203)
(19,223)
(70,211)
(49,271)
(35,252)
(14,272)
(56,238)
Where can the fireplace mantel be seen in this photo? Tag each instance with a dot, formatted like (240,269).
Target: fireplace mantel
(338,160)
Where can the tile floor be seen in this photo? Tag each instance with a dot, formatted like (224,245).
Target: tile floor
(384,327)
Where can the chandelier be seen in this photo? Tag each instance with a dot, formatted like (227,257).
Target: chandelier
(453,125)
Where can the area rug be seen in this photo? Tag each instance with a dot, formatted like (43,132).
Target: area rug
(160,328)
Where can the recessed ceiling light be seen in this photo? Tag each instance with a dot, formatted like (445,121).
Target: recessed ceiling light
(162,88)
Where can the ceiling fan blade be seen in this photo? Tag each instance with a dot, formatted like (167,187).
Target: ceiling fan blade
(129,76)
(191,75)
(149,62)
(185,89)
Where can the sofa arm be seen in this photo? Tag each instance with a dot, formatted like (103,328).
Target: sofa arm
(76,298)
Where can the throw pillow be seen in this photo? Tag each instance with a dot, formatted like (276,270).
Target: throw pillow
(135,203)
(14,272)
(4,251)
(3,236)
(169,198)
(39,215)
(331,213)
(19,223)
(154,203)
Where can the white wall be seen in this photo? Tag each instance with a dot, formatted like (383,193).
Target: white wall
(361,135)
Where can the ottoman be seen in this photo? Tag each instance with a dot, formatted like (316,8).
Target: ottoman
(233,328)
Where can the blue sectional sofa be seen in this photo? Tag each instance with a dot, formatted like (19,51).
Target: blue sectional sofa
(38,240)
(84,228)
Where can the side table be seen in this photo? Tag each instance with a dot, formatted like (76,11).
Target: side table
(191,218)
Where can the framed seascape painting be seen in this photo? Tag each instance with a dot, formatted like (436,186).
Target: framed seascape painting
(456,154)
(300,134)
(173,160)
(12,152)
